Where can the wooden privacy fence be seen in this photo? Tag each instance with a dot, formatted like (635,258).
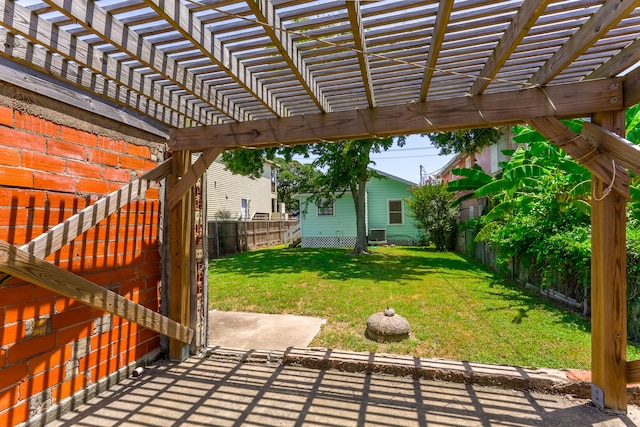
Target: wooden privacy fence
(231,237)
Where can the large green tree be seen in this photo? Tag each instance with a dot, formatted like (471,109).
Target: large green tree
(294,178)
(464,141)
(344,168)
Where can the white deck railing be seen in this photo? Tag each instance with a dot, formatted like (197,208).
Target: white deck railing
(292,234)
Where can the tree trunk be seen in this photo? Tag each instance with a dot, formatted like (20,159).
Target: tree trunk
(359,198)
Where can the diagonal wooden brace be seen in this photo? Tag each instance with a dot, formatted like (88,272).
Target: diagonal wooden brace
(592,158)
(67,231)
(19,263)
(624,152)
(192,175)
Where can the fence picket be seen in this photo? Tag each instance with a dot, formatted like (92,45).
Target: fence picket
(230,237)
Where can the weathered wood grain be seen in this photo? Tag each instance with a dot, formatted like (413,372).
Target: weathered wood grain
(25,266)
(584,153)
(493,109)
(618,63)
(632,88)
(633,372)
(188,180)
(609,288)
(619,149)
(181,242)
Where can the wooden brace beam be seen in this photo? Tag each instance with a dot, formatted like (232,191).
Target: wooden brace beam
(466,112)
(67,231)
(584,153)
(192,175)
(633,372)
(19,263)
(619,149)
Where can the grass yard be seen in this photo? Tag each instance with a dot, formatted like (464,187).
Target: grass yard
(457,309)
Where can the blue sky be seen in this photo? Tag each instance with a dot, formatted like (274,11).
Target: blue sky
(405,162)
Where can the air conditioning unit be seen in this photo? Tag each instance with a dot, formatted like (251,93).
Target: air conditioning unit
(378,236)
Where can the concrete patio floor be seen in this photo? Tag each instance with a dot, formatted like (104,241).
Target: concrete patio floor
(284,383)
(216,392)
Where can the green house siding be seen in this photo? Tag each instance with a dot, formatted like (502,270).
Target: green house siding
(339,230)
(335,230)
(380,191)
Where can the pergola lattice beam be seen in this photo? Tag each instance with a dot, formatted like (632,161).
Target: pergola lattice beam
(520,25)
(184,21)
(618,63)
(611,12)
(265,12)
(355,18)
(104,25)
(437,37)
(23,22)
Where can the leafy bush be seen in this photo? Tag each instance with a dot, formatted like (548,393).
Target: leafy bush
(431,207)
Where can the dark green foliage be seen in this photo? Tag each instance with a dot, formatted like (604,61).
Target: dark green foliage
(541,217)
(294,178)
(346,168)
(541,214)
(431,207)
(247,162)
(464,141)
(340,167)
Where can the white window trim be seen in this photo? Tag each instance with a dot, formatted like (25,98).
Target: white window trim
(333,204)
(401,211)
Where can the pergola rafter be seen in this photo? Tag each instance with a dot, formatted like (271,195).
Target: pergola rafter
(74,49)
(265,12)
(359,39)
(527,15)
(193,30)
(611,13)
(437,37)
(98,21)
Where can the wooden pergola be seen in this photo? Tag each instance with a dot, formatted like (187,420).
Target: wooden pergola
(217,75)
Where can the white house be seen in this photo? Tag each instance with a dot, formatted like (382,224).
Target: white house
(238,196)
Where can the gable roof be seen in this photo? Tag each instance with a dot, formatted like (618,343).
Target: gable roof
(395,178)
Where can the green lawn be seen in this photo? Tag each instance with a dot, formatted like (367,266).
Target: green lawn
(457,309)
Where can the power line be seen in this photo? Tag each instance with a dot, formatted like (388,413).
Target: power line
(410,149)
(402,157)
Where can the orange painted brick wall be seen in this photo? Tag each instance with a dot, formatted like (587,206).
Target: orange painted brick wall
(52,346)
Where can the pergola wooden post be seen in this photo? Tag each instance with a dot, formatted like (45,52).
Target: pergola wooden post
(609,286)
(180,242)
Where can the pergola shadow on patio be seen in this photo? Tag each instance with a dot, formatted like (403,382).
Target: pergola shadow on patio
(218,392)
(214,75)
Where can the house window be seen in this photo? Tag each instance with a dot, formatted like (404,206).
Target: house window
(395,211)
(325,210)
